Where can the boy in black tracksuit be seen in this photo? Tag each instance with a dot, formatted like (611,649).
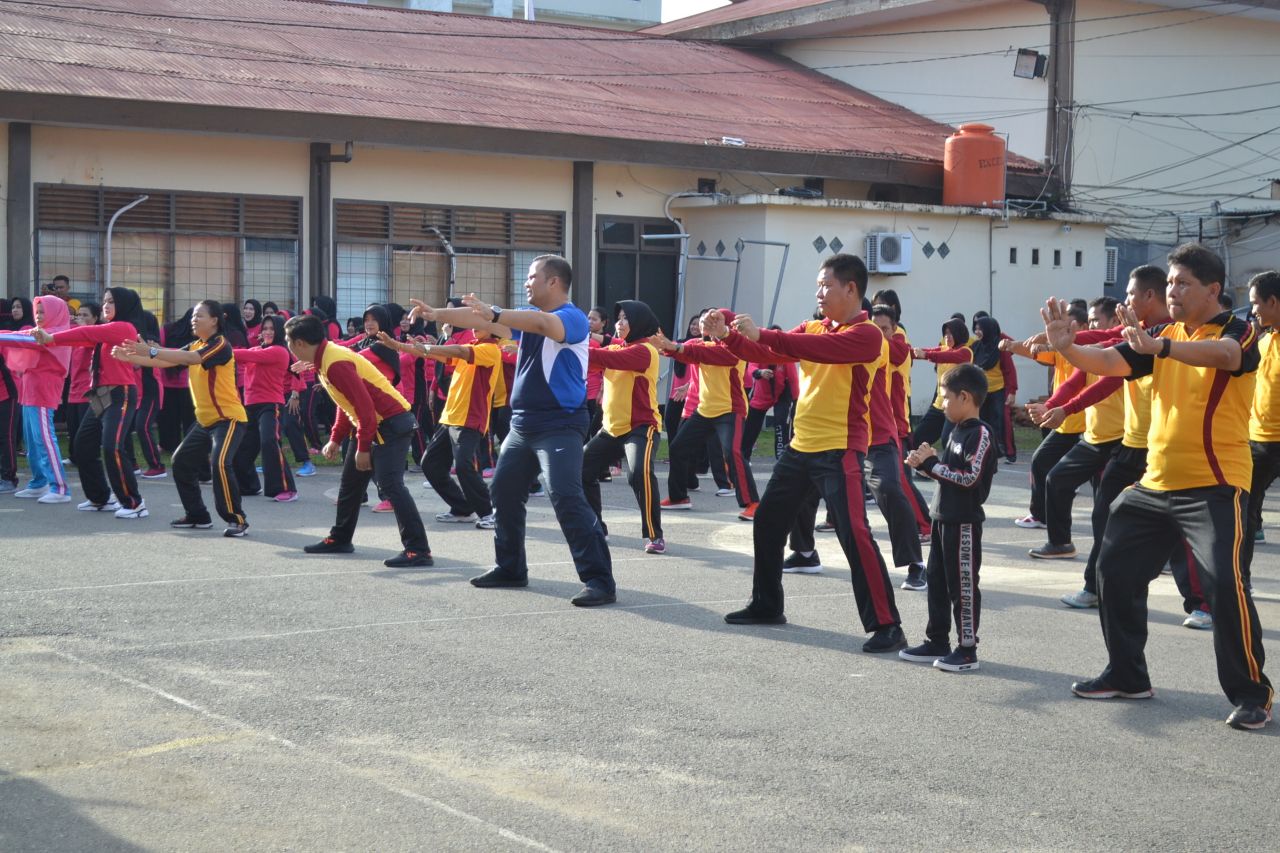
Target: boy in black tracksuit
(964,473)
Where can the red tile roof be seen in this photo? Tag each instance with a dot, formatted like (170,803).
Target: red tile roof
(337,59)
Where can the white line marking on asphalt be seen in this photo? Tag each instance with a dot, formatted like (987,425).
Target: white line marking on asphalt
(285,742)
(218,578)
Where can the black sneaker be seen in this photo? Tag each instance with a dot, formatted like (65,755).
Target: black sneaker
(747,616)
(189,523)
(824,526)
(1049,551)
(592,597)
(926,652)
(1098,688)
(799,564)
(962,659)
(409,560)
(493,579)
(886,640)
(915,578)
(329,545)
(1249,717)
(236,531)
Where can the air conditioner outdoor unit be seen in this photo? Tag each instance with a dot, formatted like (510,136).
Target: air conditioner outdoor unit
(889,254)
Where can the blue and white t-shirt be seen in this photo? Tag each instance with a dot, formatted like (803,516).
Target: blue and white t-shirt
(550,388)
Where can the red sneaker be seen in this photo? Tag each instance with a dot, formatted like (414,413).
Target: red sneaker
(667,503)
(749,513)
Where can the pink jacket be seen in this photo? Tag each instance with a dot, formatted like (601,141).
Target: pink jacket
(40,370)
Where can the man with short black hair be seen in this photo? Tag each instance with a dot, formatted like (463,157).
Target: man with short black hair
(1198,469)
(370,406)
(548,428)
(839,357)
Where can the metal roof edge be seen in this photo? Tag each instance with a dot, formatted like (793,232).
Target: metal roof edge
(774,200)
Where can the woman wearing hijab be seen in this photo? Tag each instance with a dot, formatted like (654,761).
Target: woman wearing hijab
(88,314)
(220,417)
(104,441)
(42,371)
(20,314)
(986,355)
(266,376)
(150,399)
(387,360)
(177,413)
(251,313)
(630,423)
(956,349)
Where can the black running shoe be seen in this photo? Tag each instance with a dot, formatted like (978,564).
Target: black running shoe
(926,652)
(798,564)
(329,545)
(1249,717)
(1098,688)
(886,640)
(189,523)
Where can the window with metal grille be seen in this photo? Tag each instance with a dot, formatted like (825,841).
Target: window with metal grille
(175,248)
(392,251)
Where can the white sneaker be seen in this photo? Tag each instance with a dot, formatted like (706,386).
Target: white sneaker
(1080,600)
(89,506)
(487,522)
(1199,619)
(725,493)
(450,518)
(37,492)
(55,498)
(139,511)
(1030,522)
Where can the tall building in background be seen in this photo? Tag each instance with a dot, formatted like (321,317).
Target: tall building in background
(613,14)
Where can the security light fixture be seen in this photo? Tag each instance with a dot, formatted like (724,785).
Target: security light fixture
(1030,64)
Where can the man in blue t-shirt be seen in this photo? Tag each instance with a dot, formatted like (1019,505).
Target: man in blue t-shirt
(548,428)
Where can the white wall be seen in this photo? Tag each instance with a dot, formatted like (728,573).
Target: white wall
(955,88)
(976,274)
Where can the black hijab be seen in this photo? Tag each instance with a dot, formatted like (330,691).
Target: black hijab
(128,307)
(641,321)
(381,351)
(256,320)
(28,314)
(986,350)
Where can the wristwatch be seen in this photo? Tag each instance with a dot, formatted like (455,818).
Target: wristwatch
(497,312)
(154,351)
(1165,344)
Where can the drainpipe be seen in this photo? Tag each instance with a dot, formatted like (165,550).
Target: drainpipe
(111,227)
(322,157)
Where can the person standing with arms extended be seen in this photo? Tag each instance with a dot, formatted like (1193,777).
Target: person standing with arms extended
(104,440)
(1195,487)
(383,427)
(839,358)
(548,427)
(212,441)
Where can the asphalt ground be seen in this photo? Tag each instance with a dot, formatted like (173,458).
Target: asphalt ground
(166,690)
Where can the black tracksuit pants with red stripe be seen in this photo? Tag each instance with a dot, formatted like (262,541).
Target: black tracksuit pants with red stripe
(104,450)
(640,446)
(799,480)
(1142,531)
(692,435)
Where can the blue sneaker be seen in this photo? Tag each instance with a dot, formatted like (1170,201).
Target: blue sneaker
(307,469)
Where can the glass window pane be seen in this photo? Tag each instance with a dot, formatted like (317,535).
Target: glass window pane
(269,272)
(615,278)
(615,233)
(418,274)
(75,254)
(485,276)
(361,279)
(672,245)
(142,262)
(520,261)
(657,287)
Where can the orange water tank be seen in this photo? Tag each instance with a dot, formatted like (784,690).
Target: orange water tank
(973,164)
